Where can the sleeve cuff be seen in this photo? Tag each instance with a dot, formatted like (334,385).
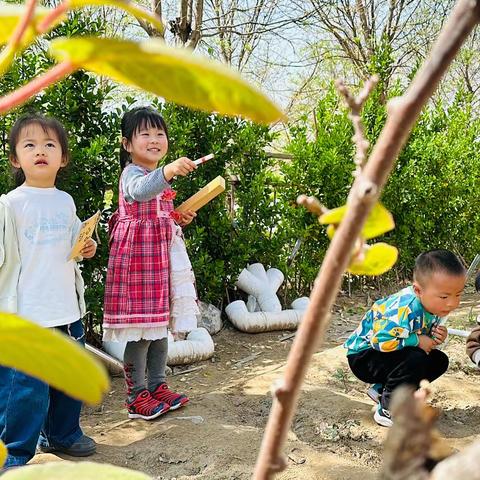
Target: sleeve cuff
(411,341)
(169,182)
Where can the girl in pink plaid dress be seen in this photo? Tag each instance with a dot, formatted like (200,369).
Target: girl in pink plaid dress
(150,283)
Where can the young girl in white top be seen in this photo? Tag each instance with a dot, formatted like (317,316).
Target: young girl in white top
(46,288)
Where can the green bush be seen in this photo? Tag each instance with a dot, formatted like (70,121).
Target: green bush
(431,192)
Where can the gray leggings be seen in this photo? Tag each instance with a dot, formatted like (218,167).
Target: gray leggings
(145,356)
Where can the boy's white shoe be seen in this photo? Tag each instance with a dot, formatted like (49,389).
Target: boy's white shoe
(382,417)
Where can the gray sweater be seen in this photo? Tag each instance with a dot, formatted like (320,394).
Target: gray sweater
(138,187)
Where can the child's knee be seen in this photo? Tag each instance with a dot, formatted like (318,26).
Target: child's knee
(440,359)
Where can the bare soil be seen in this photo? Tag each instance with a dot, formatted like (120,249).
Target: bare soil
(217,436)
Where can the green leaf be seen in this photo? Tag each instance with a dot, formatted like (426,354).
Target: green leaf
(129,7)
(3,453)
(378,258)
(379,221)
(172,73)
(52,357)
(73,471)
(107,199)
(10,15)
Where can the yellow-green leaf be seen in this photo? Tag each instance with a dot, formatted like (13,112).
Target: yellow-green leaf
(73,471)
(333,216)
(52,357)
(3,453)
(107,199)
(10,15)
(379,221)
(331,229)
(378,258)
(172,73)
(129,7)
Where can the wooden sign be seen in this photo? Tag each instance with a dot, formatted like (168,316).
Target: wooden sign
(203,196)
(86,232)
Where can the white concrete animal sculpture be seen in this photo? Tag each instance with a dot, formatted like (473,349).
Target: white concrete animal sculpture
(263,311)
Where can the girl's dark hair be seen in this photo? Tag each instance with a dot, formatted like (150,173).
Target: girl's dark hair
(47,124)
(133,121)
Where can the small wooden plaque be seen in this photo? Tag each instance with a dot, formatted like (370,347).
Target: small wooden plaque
(85,233)
(203,196)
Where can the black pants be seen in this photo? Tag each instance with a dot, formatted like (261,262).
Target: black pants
(408,365)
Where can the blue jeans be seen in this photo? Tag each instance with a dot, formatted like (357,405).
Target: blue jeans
(31,412)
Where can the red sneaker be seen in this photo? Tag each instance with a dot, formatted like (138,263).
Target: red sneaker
(146,407)
(163,394)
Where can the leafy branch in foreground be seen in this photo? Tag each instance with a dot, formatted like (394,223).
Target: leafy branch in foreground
(364,194)
(192,81)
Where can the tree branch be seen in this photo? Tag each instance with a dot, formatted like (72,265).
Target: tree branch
(21,95)
(196,34)
(356,105)
(410,439)
(401,117)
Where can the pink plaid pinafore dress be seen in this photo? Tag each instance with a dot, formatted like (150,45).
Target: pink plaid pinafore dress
(138,277)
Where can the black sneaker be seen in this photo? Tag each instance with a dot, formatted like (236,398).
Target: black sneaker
(382,416)
(83,447)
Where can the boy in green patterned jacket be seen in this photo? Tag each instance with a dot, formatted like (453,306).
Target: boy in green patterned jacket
(396,340)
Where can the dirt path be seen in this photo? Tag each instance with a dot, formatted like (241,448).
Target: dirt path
(217,436)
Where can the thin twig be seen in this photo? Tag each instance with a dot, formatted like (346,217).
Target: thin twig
(188,370)
(251,357)
(401,116)
(22,26)
(12,100)
(312,205)
(287,337)
(52,17)
(356,104)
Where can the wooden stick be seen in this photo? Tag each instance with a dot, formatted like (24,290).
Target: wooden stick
(251,357)
(204,159)
(203,196)
(113,363)
(356,104)
(287,337)
(402,114)
(188,370)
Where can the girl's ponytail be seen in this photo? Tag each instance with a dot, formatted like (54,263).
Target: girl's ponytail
(125,157)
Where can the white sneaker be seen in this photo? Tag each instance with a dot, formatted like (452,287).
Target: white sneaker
(382,417)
